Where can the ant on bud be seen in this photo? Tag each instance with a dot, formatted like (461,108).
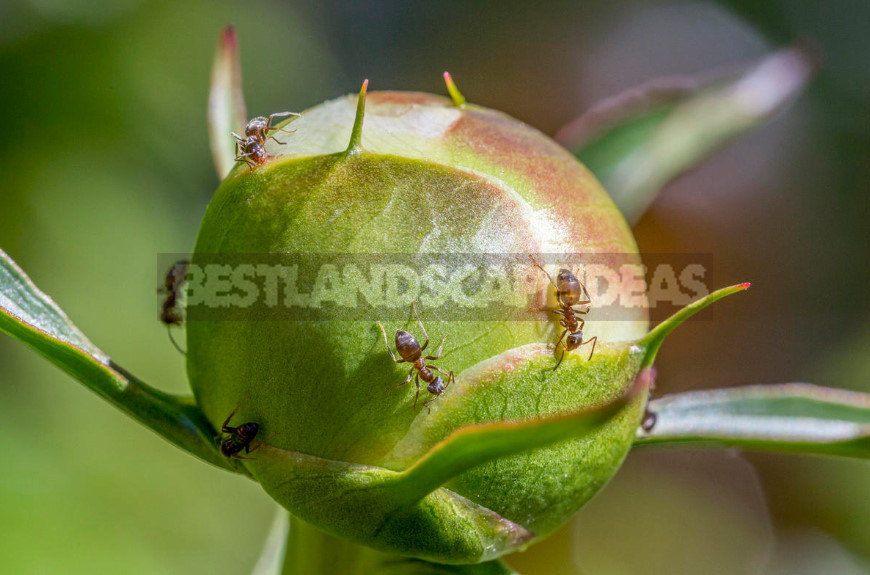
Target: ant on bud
(412,352)
(238,438)
(171,313)
(251,148)
(568,293)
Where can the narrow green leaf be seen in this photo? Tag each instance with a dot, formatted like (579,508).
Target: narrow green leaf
(476,444)
(226,103)
(791,417)
(32,317)
(272,556)
(654,339)
(639,141)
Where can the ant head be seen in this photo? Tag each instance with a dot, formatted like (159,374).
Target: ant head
(246,430)
(437,386)
(573,340)
(407,346)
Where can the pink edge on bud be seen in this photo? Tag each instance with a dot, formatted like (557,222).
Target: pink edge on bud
(745,285)
(226,102)
(455,94)
(229,39)
(355,144)
(645,380)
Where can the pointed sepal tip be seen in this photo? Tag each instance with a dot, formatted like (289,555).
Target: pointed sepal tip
(355,144)
(455,94)
(653,340)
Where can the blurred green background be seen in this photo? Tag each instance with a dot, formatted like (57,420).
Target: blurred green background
(105,164)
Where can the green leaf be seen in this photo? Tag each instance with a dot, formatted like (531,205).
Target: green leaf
(32,317)
(226,103)
(273,555)
(639,141)
(476,444)
(792,417)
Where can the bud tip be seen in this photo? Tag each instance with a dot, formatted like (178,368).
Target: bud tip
(228,36)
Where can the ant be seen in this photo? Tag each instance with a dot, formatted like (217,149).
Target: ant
(568,293)
(252,148)
(172,314)
(239,438)
(411,352)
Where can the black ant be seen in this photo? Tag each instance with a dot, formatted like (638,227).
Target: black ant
(568,292)
(239,438)
(252,148)
(172,314)
(411,352)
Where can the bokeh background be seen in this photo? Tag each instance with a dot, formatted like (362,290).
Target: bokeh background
(105,164)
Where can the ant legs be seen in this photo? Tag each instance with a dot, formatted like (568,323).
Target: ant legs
(450,379)
(564,351)
(269,125)
(543,270)
(561,337)
(224,428)
(172,339)
(594,340)
(420,323)
(408,379)
(278,115)
(247,159)
(440,347)
(450,376)
(387,343)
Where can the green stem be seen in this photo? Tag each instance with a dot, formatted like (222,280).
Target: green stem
(30,316)
(310,551)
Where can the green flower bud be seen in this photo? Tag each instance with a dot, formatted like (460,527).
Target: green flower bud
(425,176)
